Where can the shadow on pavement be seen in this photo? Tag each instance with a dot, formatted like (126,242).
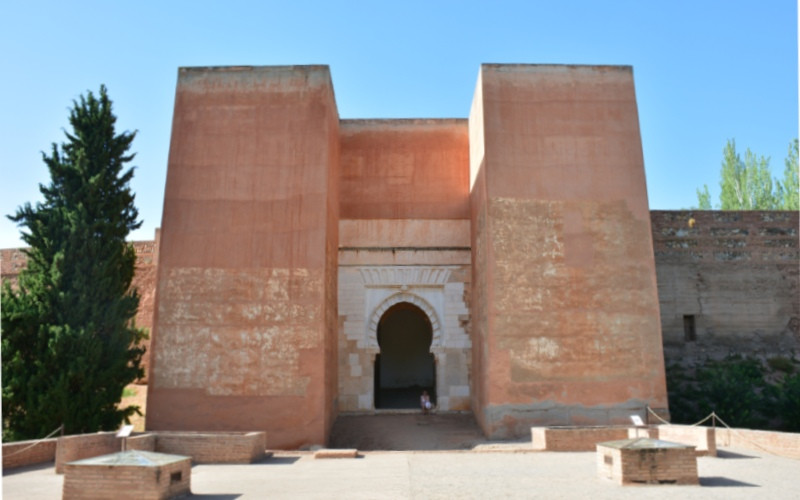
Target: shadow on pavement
(29,468)
(216,496)
(730,454)
(406,432)
(717,481)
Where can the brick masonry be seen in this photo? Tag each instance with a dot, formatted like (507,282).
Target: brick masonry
(785,444)
(21,453)
(565,328)
(734,276)
(702,438)
(156,482)
(208,447)
(574,438)
(660,465)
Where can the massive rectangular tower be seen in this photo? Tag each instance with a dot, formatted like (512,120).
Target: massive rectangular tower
(245,323)
(565,318)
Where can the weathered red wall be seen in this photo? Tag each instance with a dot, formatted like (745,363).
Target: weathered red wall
(245,321)
(737,274)
(563,259)
(404,169)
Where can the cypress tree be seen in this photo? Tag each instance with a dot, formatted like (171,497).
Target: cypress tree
(69,342)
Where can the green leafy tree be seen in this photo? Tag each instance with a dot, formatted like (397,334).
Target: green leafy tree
(789,189)
(747,184)
(69,343)
(704,199)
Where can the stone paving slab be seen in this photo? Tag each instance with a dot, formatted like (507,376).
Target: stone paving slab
(513,473)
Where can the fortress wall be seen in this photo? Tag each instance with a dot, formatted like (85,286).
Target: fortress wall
(404,169)
(245,316)
(571,331)
(736,275)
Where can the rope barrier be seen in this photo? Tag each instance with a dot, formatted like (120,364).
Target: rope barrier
(728,427)
(742,436)
(710,415)
(38,441)
(657,415)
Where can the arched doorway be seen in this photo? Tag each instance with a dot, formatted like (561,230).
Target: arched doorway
(404,367)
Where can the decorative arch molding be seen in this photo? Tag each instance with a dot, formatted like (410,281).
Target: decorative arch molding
(375,317)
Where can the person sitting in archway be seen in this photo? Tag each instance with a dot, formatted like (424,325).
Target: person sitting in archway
(425,402)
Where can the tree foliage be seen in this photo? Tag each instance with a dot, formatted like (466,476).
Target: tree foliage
(744,391)
(748,185)
(789,189)
(69,343)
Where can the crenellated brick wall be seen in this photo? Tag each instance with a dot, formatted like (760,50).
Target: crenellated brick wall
(728,282)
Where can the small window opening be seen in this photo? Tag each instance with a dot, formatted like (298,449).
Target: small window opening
(175,477)
(689,331)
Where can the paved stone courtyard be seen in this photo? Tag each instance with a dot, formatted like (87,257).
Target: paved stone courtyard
(502,471)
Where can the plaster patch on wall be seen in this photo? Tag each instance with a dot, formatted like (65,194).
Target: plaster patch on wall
(563,318)
(238,333)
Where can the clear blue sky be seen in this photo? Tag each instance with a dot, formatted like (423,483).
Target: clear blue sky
(705,71)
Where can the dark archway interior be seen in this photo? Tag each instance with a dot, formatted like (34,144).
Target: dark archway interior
(405,366)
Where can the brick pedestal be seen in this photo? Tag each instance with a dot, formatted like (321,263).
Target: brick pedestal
(647,461)
(138,475)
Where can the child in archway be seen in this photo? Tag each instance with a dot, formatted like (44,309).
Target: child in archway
(425,402)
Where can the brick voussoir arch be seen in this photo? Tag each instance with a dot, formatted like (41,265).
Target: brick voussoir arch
(397,298)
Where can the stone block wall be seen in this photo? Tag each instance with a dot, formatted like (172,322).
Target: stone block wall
(366,292)
(728,283)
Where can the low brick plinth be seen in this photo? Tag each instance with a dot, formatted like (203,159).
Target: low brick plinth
(128,475)
(574,438)
(22,453)
(336,453)
(79,446)
(647,461)
(202,447)
(702,438)
(214,447)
